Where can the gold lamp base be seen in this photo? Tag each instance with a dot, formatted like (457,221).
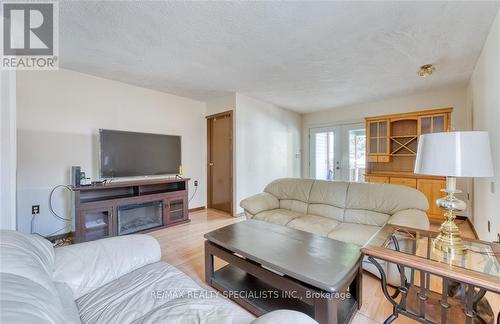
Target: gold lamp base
(449,239)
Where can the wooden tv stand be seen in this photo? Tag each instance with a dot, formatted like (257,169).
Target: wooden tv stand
(126,207)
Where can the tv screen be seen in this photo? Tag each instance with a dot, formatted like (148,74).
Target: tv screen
(129,154)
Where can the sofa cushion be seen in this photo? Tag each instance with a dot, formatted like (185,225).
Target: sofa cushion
(87,266)
(25,301)
(69,309)
(410,218)
(278,216)
(294,205)
(157,293)
(367,217)
(260,202)
(358,234)
(290,189)
(329,211)
(329,193)
(314,224)
(384,198)
(284,316)
(29,256)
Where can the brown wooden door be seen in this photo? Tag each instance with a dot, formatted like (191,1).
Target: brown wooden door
(220,161)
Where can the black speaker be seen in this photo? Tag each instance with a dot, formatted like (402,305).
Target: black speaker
(76,176)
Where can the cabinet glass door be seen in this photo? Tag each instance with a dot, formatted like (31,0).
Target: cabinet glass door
(176,210)
(378,138)
(373,136)
(97,223)
(432,124)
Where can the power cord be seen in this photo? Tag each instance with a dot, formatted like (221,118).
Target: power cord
(194,193)
(51,209)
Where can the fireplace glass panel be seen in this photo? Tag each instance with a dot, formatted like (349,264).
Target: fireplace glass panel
(139,217)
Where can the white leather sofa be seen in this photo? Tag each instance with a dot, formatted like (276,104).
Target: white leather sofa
(346,211)
(115,280)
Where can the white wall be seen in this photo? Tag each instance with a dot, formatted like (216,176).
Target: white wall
(59,114)
(484,98)
(267,145)
(8,150)
(221,104)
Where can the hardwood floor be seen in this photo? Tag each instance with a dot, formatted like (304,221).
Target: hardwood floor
(182,246)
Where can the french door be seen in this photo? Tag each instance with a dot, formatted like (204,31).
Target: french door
(337,152)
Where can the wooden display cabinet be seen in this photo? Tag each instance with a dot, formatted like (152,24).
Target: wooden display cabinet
(391,149)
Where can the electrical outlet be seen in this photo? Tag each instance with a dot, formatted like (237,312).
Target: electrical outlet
(35,209)
(196,183)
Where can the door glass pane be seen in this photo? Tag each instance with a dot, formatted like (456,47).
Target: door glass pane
(425,125)
(324,143)
(438,124)
(382,128)
(357,156)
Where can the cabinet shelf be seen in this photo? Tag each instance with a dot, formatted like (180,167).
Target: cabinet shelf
(93,227)
(404,136)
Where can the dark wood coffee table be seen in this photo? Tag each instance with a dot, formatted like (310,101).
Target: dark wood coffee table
(275,267)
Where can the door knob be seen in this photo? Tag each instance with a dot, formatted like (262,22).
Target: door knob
(211,164)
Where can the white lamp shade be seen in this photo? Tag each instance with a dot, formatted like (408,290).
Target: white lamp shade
(454,154)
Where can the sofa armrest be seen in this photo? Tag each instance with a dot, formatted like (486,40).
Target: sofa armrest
(87,266)
(259,203)
(284,316)
(415,218)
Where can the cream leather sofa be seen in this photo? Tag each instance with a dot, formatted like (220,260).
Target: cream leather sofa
(115,280)
(346,211)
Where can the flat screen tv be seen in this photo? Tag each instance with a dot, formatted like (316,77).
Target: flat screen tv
(130,154)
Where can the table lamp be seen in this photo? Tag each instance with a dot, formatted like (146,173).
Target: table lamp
(453,154)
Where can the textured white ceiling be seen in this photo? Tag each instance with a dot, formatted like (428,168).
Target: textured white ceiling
(304,56)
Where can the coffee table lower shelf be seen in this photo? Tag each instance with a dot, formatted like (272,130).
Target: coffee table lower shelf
(258,297)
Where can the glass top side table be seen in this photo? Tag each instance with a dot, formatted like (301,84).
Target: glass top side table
(411,250)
